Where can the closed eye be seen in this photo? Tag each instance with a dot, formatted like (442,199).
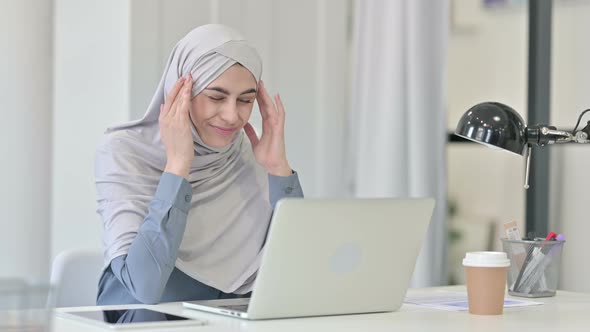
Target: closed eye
(216,98)
(249,101)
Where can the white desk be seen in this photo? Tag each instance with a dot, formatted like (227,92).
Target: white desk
(565,312)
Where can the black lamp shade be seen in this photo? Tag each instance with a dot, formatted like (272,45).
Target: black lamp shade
(495,125)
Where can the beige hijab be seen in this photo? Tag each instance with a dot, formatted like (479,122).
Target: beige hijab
(230,209)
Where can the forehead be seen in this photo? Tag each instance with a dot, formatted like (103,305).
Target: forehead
(235,79)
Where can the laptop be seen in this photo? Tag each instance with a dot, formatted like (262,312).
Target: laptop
(333,257)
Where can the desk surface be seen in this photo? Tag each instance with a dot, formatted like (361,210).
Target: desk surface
(565,312)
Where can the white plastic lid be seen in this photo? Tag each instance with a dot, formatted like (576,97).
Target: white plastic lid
(486,259)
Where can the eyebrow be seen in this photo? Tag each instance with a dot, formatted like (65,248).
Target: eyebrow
(224,91)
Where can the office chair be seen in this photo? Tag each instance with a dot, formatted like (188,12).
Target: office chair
(74,276)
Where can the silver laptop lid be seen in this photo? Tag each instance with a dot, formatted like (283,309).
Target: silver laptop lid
(339,256)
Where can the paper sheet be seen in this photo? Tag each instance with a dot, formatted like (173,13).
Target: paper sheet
(454,301)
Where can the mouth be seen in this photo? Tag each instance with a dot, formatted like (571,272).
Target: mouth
(224,131)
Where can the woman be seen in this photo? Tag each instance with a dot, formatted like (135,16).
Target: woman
(184,197)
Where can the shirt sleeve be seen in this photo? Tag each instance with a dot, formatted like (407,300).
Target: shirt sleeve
(283,186)
(146,268)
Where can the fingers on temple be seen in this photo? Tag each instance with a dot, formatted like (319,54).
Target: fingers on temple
(178,101)
(184,106)
(174,92)
(251,133)
(280,106)
(267,107)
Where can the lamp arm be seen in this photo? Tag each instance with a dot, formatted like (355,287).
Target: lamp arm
(554,135)
(582,135)
(542,135)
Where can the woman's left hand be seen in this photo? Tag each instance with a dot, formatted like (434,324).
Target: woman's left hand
(269,149)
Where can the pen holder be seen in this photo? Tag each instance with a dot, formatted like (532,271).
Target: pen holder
(24,306)
(534,268)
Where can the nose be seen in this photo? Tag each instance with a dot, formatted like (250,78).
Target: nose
(229,112)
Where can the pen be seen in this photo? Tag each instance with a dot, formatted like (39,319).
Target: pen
(532,255)
(527,260)
(550,236)
(535,273)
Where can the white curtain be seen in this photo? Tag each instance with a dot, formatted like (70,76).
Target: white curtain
(397,123)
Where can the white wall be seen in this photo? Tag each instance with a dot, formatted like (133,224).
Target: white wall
(109,59)
(488,61)
(91,92)
(25,104)
(571,176)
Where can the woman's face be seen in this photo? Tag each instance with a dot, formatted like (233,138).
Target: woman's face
(223,108)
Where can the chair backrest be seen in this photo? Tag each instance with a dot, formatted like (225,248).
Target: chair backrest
(75,275)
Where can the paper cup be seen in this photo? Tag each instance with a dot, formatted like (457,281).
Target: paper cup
(485,272)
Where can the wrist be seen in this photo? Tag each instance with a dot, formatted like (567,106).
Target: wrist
(280,170)
(177,169)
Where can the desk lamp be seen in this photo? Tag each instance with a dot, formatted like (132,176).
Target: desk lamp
(499,126)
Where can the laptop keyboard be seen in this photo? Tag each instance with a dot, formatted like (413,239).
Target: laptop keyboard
(239,307)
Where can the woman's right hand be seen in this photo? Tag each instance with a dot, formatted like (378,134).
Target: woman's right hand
(175,128)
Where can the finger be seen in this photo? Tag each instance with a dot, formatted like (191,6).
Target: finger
(280,106)
(178,99)
(162,110)
(260,100)
(279,127)
(251,133)
(267,107)
(174,91)
(267,99)
(185,99)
